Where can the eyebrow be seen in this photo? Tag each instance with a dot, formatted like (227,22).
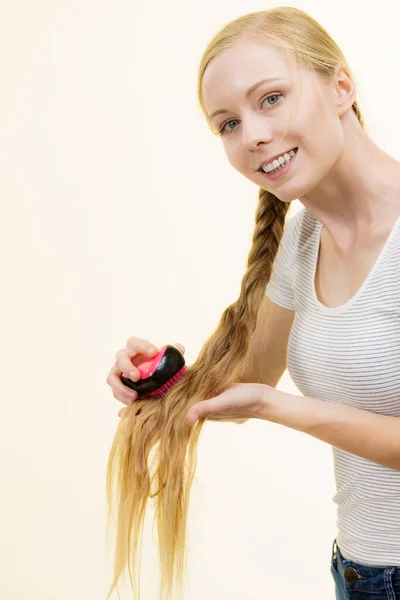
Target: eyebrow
(247,94)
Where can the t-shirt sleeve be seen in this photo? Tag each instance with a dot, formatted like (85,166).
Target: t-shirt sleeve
(280,287)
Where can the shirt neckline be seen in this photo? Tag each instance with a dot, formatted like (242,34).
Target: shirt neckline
(344,307)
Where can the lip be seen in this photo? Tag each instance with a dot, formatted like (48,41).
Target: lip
(282,172)
(274,157)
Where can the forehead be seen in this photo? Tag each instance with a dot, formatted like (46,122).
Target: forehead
(247,60)
(229,75)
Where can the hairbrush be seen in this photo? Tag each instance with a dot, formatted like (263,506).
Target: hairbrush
(158,374)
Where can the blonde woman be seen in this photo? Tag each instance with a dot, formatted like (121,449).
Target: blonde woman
(321,296)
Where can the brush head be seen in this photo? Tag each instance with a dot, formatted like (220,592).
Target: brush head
(157,374)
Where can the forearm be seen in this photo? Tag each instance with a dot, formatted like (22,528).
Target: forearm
(367,434)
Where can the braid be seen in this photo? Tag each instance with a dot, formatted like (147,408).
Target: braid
(228,344)
(269,225)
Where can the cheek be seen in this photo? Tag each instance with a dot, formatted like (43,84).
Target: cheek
(330,144)
(235,156)
(326,126)
(320,135)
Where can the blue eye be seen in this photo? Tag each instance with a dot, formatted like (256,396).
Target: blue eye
(224,131)
(272,96)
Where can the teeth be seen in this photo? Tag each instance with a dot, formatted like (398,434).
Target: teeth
(281,160)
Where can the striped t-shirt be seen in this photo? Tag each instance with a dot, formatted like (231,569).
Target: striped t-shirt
(349,354)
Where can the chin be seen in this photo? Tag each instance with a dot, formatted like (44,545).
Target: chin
(285,195)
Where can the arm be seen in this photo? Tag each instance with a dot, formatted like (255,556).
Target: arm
(266,358)
(363,433)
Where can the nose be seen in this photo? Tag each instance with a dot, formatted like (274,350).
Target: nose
(255,132)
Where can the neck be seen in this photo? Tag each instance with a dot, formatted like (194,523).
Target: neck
(361,194)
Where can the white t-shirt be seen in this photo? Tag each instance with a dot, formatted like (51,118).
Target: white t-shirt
(349,354)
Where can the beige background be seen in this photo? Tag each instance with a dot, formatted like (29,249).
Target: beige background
(121,216)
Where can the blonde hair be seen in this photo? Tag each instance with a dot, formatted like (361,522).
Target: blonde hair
(158,428)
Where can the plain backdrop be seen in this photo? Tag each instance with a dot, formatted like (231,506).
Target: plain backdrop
(120,217)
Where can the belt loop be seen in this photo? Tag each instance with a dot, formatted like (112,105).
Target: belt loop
(334,553)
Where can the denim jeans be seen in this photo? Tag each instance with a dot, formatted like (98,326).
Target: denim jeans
(355,581)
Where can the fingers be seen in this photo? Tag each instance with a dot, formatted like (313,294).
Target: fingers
(136,349)
(121,392)
(135,352)
(124,395)
(136,345)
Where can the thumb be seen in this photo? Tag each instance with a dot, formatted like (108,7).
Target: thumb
(200,410)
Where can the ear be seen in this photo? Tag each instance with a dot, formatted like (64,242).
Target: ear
(344,89)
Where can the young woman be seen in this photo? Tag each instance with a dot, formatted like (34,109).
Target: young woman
(321,296)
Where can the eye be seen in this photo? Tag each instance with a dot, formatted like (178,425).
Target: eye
(272,96)
(224,131)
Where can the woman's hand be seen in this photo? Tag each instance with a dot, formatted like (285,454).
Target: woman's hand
(240,402)
(136,351)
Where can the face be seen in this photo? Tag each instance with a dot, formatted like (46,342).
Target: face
(296,110)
